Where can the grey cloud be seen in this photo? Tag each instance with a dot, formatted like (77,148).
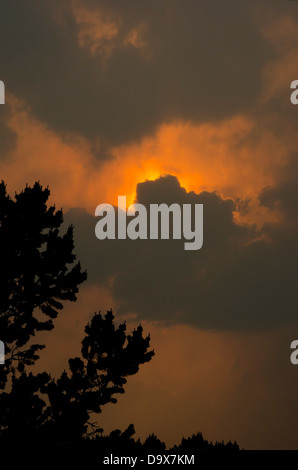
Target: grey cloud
(285,192)
(204,64)
(8,137)
(228,285)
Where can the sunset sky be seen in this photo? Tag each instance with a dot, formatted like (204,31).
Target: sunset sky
(170,101)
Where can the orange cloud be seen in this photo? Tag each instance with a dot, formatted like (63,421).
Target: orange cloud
(282,35)
(96,32)
(221,156)
(236,157)
(99,34)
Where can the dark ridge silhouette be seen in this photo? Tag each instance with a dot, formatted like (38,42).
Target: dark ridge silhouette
(39,414)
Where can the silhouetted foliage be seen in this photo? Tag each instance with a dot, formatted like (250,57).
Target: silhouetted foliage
(37,273)
(109,356)
(23,410)
(197,443)
(59,411)
(153,445)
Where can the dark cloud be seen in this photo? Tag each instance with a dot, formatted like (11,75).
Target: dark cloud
(201,61)
(8,137)
(284,194)
(229,284)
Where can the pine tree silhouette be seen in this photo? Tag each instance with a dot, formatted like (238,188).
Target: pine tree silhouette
(39,413)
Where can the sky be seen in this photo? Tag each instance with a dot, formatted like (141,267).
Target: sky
(170,102)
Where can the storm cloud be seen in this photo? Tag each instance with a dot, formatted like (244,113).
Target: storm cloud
(238,280)
(113,71)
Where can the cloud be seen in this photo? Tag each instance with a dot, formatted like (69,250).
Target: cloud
(8,138)
(237,281)
(237,154)
(277,23)
(95,33)
(165,62)
(237,157)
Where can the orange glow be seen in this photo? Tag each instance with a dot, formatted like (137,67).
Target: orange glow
(222,157)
